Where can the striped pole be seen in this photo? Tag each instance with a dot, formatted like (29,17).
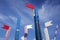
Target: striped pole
(55,34)
(7,33)
(17,29)
(25,33)
(26,28)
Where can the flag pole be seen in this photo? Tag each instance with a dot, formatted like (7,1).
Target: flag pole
(37,25)
(47,24)
(7,33)
(36,22)
(55,34)
(46,33)
(17,29)
(26,29)
(25,33)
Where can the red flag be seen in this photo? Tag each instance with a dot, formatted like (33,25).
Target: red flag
(30,6)
(6,27)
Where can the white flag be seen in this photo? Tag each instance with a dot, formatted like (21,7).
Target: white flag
(29,26)
(49,23)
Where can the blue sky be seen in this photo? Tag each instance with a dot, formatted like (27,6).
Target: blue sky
(10,10)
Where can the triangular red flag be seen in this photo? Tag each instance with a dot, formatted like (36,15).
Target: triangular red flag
(6,27)
(29,5)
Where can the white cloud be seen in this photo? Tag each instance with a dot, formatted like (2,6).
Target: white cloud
(2,38)
(13,18)
(43,13)
(2,17)
(43,8)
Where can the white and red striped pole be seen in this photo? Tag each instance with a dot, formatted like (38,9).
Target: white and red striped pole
(26,31)
(8,31)
(55,34)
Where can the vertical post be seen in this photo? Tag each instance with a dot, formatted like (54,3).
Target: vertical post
(7,33)
(25,33)
(46,33)
(26,29)
(36,21)
(55,34)
(37,25)
(47,24)
(17,29)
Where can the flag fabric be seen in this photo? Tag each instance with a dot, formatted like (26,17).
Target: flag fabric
(29,5)
(8,30)
(6,27)
(48,23)
(29,26)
